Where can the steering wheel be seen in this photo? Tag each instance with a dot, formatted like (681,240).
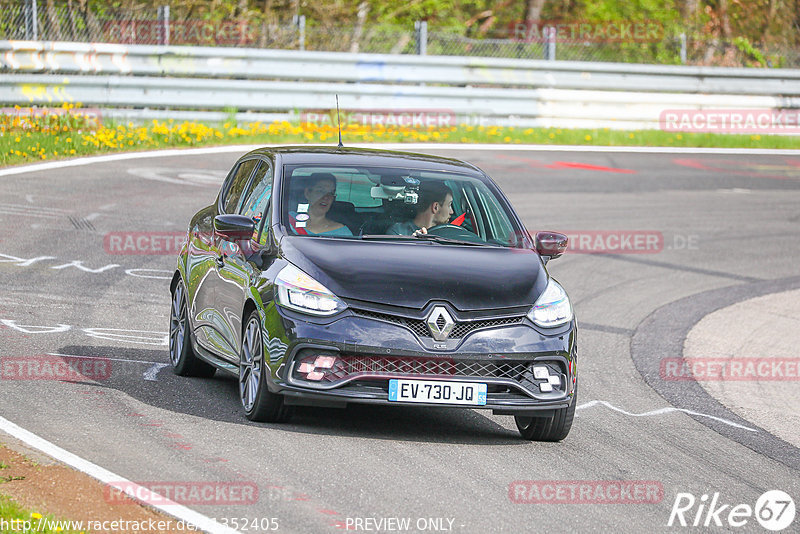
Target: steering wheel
(452,231)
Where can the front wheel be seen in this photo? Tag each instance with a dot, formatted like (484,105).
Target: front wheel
(553,428)
(258,402)
(184,361)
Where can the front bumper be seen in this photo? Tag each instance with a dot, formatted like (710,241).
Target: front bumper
(370,352)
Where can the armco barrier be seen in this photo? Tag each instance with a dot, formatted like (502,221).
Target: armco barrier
(132,79)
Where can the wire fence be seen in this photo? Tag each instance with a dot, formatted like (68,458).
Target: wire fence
(76,22)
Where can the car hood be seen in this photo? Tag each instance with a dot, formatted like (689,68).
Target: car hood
(411,274)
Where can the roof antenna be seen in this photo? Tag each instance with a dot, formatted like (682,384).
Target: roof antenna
(339,121)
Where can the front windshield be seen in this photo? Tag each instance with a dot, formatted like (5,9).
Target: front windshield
(394,203)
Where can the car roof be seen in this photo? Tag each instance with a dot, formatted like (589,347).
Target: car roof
(331,155)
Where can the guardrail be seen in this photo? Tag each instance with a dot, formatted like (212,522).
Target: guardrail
(499,91)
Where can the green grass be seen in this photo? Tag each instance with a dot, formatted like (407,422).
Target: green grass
(16,516)
(18,147)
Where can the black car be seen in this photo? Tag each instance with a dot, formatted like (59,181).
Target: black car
(372,276)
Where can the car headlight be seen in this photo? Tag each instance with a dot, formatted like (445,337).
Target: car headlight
(552,308)
(298,291)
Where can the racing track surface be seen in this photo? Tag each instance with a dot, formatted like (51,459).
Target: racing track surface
(729,227)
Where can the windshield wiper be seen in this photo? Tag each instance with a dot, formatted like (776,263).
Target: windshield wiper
(426,237)
(450,240)
(393,237)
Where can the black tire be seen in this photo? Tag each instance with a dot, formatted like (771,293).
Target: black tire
(184,361)
(553,428)
(259,403)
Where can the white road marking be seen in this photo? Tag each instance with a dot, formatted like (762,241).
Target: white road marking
(158,274)
(22,213)
(31,329)
(167,174)
(104,358)
(143,337)
(152,372)
(27,207)
(93,216)
(33,211)
(79,162)
(133,272)
(38,167)
(78,264)
(661,411)
(108,478)
(129,336)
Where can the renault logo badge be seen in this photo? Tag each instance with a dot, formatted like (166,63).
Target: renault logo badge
(440,323)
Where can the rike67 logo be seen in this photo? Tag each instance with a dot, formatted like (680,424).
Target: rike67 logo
(774,510)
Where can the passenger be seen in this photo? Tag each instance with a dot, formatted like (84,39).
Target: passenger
(435,207)
(320,193)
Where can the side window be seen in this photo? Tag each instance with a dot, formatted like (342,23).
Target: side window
(258,194)
(234,193)
(499,226)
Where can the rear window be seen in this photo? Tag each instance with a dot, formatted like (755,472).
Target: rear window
(353,202)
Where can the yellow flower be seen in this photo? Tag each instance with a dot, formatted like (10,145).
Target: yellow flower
(552,135)
(506,139)
(588,137)
(630,135)
(34,515)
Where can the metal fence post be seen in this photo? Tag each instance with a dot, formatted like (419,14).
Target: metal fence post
(163,25)
(550,43)
(683,48)
(300,22)
(31,20)
(421,32)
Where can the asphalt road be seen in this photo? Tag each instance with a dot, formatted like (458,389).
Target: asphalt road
(729,230)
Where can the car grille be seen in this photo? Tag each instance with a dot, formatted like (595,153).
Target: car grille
(329,370)
(460,329)
(349,365)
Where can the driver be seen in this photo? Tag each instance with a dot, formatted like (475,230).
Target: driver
(435,207)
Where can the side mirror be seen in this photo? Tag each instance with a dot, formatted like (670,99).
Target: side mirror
(234,227)
(550,245)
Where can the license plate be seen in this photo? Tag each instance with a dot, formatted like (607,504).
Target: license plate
(433,391)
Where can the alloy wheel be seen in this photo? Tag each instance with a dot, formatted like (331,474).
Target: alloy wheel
(177,325)
(250,363)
